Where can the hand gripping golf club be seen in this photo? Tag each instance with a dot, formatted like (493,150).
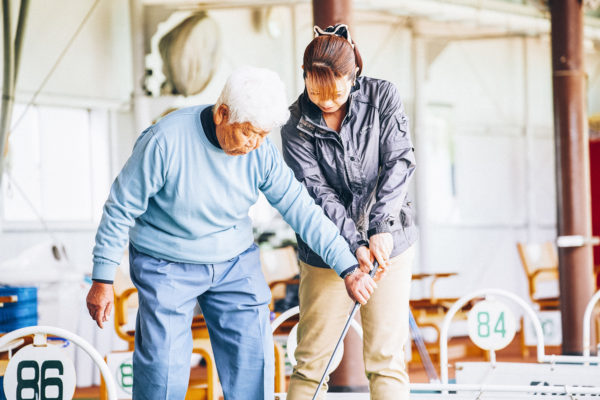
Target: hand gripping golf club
(343,335)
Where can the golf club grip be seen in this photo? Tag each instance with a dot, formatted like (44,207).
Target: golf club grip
(375,268)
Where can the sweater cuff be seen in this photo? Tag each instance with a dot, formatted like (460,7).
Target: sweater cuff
(345,261)
(348,271)
(104,271)
(103,281)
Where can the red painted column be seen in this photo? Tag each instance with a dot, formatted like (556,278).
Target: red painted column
(595,186)
(572,168)
(331,12)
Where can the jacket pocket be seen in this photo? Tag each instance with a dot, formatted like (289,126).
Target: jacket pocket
(406,215)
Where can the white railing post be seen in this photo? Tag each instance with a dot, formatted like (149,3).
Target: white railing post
(50,330)
(484,293)
(587,322)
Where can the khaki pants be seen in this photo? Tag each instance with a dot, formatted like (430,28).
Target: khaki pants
(324,309)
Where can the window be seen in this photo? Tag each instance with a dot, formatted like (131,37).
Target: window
(57,168)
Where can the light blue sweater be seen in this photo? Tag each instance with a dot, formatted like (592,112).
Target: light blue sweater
(181,199)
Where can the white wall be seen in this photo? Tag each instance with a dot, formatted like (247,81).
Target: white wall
(488,114)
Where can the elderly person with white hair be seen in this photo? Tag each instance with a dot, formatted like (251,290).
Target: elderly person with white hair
(182,202)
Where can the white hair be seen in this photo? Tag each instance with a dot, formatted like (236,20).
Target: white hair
(255,95)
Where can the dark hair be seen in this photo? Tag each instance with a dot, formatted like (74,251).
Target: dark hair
(330,57)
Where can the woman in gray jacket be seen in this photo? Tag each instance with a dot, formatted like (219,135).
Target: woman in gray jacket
(347,141)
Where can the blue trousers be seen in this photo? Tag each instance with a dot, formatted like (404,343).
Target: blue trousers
(234,299)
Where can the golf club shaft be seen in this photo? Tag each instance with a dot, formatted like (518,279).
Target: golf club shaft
(343,335)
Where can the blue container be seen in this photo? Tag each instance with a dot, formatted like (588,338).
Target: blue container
(22,293)
(20,314)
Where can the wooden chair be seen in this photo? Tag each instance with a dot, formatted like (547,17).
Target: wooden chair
(429,311)
(540,263)
(278,266)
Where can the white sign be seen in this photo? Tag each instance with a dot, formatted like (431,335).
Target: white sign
(527,374)
(551,325)
(120,366)
(39,373)
(492,325)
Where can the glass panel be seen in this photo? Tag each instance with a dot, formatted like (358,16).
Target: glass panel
(21,183)
(66,164)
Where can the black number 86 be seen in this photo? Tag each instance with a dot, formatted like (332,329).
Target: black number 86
(32,383)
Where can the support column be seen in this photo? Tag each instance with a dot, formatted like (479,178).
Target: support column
(331,12)
(350,374)
(572,167)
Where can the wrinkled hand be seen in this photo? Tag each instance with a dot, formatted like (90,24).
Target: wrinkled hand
(360,286)
(100,300)
(381,245)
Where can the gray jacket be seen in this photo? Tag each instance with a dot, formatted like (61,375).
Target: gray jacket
(360,176)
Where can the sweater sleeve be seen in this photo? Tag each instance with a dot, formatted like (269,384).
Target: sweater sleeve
(299,154)
(299,210)
(141,178)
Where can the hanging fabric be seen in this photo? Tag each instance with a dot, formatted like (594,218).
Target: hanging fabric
(190,54)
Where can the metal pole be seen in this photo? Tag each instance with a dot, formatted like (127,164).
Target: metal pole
(331,12)
(21,24)
(12,58)
(7,80)
(572,167)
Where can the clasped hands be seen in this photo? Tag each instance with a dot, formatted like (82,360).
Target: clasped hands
(360,285)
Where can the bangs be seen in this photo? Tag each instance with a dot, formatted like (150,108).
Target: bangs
(321,77)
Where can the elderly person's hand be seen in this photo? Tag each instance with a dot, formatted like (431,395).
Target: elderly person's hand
(100,300)
(359,286)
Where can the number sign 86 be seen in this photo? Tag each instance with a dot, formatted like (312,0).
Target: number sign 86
(39,373)
(39,386)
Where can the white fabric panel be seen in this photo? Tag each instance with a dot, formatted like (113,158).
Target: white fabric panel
(482,258)
(97,67)
(543,182)
(490,180)
(24,158)
(66,167)
(539,82)
(99,160)
(483,79)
